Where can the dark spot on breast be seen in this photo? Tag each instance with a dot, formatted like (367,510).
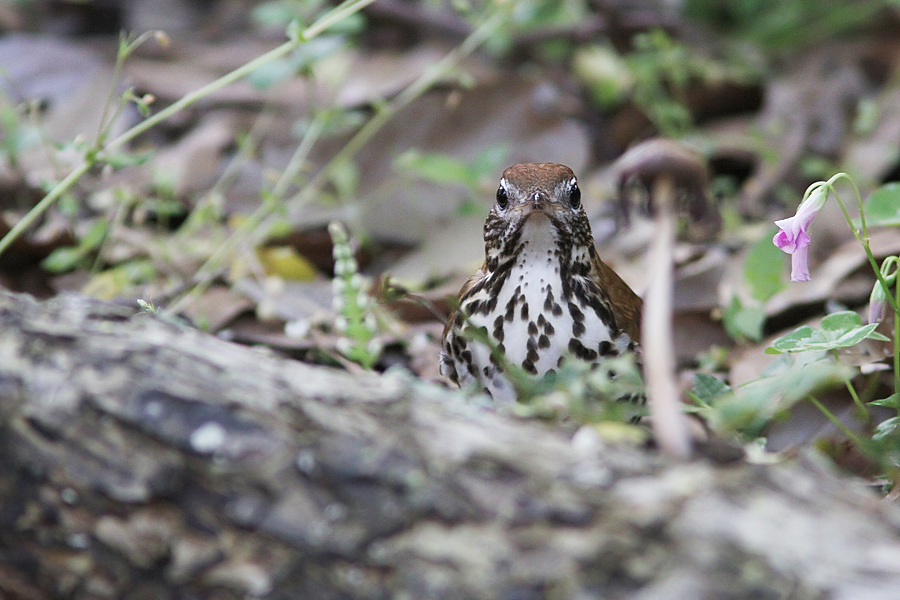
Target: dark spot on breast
(557,309)
(606,348)
(528,365)
(576,313)
(548,302)
(577,328)
(579,350)
(524,311)
(601,308)
(532,328)
(472,369)
(510,309)
(498,328)
(543,341)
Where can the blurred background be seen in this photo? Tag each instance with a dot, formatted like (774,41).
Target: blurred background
(397,122)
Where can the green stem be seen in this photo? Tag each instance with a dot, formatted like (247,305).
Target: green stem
(46,202)
(327,20)
(896,336)
(864,414)
(856,439)
(863,238)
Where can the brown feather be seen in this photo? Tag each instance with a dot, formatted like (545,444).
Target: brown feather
(626,306)
(462,294)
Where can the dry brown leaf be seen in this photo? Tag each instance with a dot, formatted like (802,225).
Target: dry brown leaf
(216,308)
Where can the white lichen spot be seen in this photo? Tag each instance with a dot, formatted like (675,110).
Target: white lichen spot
(306,461)
(208,438)
(297,329)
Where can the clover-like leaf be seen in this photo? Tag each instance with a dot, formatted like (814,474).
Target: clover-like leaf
(883,206)
(837,330)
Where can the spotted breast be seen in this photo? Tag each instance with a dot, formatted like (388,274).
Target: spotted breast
(542,293)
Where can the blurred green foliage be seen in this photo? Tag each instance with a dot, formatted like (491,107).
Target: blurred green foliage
(781,25)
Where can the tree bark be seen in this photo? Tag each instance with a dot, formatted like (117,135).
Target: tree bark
(140,458)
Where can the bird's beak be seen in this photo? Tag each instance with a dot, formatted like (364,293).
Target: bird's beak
(538,201)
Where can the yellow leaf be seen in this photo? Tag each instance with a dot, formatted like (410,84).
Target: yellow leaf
(618,433)
(284,262)
(105,285)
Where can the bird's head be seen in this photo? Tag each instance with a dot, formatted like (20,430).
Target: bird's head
(539,203)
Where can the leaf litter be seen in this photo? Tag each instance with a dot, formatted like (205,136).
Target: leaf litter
(414,195)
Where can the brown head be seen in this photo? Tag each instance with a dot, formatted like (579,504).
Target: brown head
(536,191)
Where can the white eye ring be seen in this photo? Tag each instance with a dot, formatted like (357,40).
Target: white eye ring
(502,195)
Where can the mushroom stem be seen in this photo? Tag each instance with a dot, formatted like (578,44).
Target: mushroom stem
(667,420)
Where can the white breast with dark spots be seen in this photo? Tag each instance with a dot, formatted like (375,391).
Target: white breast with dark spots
(533,323)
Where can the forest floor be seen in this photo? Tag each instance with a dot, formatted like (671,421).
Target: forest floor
(398,121)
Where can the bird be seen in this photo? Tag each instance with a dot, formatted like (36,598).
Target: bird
(542,293)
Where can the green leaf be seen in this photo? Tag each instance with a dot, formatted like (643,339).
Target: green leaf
(437,168)
(272,14)
(883,206)
(744,322)
(63,259)
(892,401)
(94,236)
(756,403)
(121,160)
(837,330)
(272,73)
(708,388)
(764,268)
(886,428)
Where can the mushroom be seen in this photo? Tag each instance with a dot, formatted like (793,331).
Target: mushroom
(675,179)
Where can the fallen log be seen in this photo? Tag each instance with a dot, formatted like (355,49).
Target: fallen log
(140,458)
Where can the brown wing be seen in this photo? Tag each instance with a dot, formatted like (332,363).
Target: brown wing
(463,292)
(626,305)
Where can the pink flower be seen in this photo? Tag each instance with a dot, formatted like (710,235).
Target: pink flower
(793,236)
(878,298)
(876,304)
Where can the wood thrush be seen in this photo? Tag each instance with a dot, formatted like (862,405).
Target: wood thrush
(542,292)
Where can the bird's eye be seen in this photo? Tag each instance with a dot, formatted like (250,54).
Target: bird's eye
(574,196)
(502,198)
